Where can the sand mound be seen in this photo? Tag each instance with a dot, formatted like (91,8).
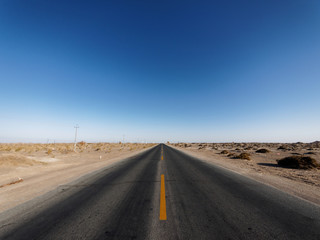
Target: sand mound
(16,160)
(298,162)
(262,150)
(282,148)
(243,156)
(231,155)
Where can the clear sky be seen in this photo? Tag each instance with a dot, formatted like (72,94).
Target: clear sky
(160,70)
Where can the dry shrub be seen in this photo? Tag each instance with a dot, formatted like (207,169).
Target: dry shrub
(312,153)
(49,151)
(82,145)
(298,162)
(282,148)
(65,149)
(213,146)
(18,149)
(224,152)
(243,156)
(231,155)
(262,150)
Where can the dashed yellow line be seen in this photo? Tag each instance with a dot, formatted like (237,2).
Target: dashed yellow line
(161,153)
(163,209)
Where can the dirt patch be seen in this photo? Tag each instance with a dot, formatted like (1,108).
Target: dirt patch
(14,160)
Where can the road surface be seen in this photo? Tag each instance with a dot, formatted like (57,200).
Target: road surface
(163,194)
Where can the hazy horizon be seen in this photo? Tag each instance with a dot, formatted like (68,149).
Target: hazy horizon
(196,71)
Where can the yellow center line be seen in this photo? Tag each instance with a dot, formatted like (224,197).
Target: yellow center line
(161,154)
(163,209)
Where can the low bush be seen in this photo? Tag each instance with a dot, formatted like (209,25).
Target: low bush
(262,150)
(282,148)
(298,162)
(243,156)
(224,152)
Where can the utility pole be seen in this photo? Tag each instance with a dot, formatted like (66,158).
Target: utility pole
(75,137)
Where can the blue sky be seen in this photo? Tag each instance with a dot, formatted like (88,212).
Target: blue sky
(160,70)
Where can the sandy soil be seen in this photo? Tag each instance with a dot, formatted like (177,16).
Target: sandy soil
(30,170)
(263,167)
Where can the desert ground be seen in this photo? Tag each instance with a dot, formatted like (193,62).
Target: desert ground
(29,170)
(260,162)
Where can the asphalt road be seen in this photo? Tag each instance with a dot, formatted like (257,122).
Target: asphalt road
(198,200)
